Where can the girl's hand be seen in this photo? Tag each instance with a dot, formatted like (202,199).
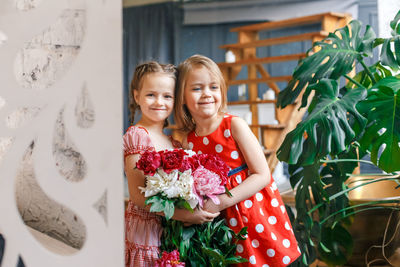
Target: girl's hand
(199,216)
(210,206)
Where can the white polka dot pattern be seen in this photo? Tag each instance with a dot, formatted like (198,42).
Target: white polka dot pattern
(286,260)
(227,133)
(269,228)
(274,187)
(235,155)
(286,243)
(272,220)
(190,145)
(259,228)
(199,152)
(233,222)
(273,236)
(283,209)
(239,248)
(218,148)
(271,252)
(205,141)
(248,204)
(255,243)
(274,203)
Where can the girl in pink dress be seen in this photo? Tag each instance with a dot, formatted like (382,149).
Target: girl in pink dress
(152,89)
(255,202)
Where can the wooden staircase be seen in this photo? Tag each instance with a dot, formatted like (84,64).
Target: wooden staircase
(271,136)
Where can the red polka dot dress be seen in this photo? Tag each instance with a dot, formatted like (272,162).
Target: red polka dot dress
(270,240)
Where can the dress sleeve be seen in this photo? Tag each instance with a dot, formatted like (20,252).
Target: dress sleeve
(136,140)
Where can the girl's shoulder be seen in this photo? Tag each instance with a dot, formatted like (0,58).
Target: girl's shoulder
(136,140)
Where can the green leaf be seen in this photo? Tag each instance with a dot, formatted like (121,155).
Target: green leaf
(327,127)
(395,24)
(336,245)
(169,209)
(188,232)
(235,260)
(335,57)
(388,57)
(157,203)
(382,135)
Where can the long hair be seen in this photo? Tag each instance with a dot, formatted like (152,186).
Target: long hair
(136,84)
(183,118)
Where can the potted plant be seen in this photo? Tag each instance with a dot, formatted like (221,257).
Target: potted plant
(348,117)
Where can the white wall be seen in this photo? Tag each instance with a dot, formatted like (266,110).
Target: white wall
(60,130)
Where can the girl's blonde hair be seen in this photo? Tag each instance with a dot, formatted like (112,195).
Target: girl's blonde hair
(137,81)
(183,118)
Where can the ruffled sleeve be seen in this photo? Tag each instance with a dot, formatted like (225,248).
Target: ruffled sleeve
(136,140)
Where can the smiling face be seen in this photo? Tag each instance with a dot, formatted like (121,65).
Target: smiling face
(155,96)
(202,93)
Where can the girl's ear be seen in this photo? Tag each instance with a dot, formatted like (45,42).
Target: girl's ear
(135,95)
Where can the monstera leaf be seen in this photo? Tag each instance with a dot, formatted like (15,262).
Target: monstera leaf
(336,57)
(326,129)
(336,245)
(388,57)
(382,135)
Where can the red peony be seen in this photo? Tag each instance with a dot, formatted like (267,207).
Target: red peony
(172,160)
(169,260)
(215,164)
(186,165)
(149,162)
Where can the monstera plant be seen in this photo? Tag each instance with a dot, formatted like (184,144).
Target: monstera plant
(349,115)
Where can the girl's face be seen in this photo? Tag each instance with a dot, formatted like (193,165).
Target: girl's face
(156,96)
(202,93)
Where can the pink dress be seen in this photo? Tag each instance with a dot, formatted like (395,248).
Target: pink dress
(270,240)
(142,228)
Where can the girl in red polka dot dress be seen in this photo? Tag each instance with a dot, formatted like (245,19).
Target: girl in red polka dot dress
(255,201)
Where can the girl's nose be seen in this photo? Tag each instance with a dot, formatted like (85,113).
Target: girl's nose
(159,100)
(206,92)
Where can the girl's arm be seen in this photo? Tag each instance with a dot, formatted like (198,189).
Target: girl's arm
(256,162)
(136,179)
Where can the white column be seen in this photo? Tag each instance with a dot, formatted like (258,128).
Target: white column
(387,9)
(60,131)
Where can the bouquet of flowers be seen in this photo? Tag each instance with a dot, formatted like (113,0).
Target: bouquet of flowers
(183,179)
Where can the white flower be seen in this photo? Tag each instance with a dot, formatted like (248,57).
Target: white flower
(185,184)
(172,185)
(190,153)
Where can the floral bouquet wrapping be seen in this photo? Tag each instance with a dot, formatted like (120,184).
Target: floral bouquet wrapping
(183,179)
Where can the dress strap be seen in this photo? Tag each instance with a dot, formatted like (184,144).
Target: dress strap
(238,169)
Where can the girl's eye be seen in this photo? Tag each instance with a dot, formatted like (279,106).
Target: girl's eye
(150,95)
(196,89)
(215,87)
(168,96)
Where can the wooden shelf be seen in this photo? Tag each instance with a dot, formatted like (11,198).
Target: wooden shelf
(263,60)
(261,80)
(289,22)
(244,102)
(277,40)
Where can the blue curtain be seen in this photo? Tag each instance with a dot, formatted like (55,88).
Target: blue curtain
(150,32)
